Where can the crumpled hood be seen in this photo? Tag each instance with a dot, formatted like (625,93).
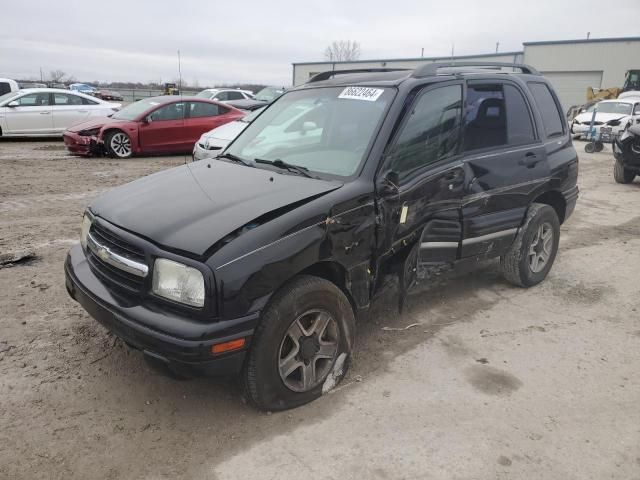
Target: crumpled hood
(600,117)
(191,207)
(92,123)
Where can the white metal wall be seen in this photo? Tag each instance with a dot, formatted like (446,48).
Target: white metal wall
(571,87)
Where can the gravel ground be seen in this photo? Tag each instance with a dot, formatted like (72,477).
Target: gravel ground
(495,382)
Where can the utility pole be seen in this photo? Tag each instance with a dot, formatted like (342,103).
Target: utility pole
(588,35)
(453,48)
(497,45)
(41,76)
(422,53)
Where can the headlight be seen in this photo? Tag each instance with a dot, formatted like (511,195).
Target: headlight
(90,132)
(178,282)
(84,232)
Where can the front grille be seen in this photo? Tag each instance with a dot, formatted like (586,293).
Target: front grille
(109,273)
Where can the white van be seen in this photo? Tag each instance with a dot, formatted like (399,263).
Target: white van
(7,85)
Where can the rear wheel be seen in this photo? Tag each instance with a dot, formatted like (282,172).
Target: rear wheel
(118,144)
(534,250)
(302,347)
(599,146)
(590,147)
(621,174)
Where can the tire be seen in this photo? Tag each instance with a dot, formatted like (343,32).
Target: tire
(517,265)
(273,351)
(599,146)
(621,174)
(118,144)
(589,147)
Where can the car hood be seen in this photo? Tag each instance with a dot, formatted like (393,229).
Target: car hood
(189,208)
(228,131)
(96,122)
(600,117)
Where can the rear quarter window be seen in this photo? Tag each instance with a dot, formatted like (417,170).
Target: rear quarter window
(551,116)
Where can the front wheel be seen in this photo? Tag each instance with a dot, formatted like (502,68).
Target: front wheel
(118,144)
(621,174)
(532,253)
(302,347)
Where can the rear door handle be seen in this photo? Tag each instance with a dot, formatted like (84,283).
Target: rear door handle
(529,160)
(83,111)
(45,113)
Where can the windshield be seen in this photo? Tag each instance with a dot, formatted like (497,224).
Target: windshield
(205,94)
(134,110)
(325,130)
(268,94)
(8,96)
(622,108)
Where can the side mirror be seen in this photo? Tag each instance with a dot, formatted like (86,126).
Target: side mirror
(389,184)
(13,104)
(148,119)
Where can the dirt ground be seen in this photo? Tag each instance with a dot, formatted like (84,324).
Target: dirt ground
(495,382)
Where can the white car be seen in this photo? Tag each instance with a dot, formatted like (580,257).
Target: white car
(48,112)
(614,114)
(214,141)
(7,85)
(225,94)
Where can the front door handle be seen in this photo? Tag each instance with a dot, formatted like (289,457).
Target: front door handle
(530,160)
(45,113)
(83,111)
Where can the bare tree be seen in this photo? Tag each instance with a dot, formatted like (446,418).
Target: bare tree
(56,76)
(342,51)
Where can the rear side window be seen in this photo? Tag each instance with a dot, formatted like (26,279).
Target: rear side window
(551,116)
(202,109)
(86,101)
(519,125)
(431,131)
(235,96)
(66,99)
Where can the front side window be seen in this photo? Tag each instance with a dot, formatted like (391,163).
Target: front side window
(235,96)
(325,130)
(431,131)
(551,116)
(202,109)
(222,96)
(173,111)
(34,100)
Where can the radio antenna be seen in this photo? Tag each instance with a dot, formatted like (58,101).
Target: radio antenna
(184,107)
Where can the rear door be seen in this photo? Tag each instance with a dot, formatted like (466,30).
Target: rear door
(32,116)
(165,130)
(422,180)
(202,117)
(506,163)
(68,110)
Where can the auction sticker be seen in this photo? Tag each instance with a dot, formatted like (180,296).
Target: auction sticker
(361,93)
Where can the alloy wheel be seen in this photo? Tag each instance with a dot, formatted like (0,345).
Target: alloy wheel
(308,350)
(541,247)
(121,145)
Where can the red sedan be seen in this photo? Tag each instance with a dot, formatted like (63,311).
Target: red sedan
(168,124)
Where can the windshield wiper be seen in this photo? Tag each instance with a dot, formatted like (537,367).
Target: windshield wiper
(235,158)
(286,166)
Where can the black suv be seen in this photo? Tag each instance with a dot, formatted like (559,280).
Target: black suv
(258,261)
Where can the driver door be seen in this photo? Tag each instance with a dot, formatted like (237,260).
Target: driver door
(422,182)
(165,129)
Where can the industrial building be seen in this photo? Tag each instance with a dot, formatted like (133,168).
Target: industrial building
(571,65)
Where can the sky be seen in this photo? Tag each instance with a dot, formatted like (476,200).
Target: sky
(256,41)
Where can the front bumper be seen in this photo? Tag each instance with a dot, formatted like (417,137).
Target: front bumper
(200,153)
(184,351)
(80,144)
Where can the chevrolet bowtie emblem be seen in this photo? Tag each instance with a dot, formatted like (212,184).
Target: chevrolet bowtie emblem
(102,253)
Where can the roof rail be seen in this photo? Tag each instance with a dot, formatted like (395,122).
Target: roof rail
(431,69)
(331,73)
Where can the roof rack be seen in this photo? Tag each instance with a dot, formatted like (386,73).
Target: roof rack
(332,73)
(431,69)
